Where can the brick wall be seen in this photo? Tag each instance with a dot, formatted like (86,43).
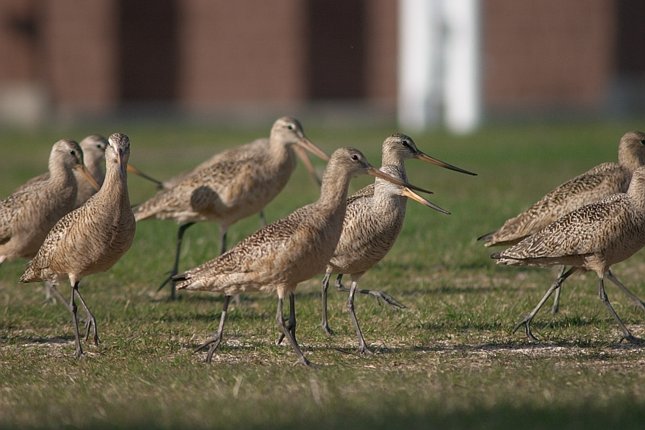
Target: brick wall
(80,61)
(547,54)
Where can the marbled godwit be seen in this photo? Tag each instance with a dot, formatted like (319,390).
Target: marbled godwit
(373,220)
(27,215)
(89,239)
(602,180)
(279,256)
(248,150)
(93,147)
(593,237)
(236,184)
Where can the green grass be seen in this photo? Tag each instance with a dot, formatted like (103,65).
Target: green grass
(448,360)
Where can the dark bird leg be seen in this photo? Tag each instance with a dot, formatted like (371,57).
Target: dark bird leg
(526,322)
(556,300)
(627,335)
(634,298)
(286,331)
(263,219)
(325,320)
(175,267)
(380,295)
(362,347)
(215,341)
(73,309)
(90,320)
(291,323)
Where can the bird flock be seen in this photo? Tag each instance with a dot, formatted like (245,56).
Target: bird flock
(77,219)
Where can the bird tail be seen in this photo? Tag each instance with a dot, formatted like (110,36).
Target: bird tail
(486,237)
(29,275)
(181,280)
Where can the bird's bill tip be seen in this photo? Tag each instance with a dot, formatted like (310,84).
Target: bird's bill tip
(425,157)
(131,169)
(311,147)
(373,171)
(302,154)
(88,176)
(407,192)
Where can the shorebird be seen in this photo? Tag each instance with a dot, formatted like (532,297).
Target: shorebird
(27,215)
(593,237)
(373,220)
(242,152)
(89,239)
(601,181)
(93,147)
(236,183)
(282,254)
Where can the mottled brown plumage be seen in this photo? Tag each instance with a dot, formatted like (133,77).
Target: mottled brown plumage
(279,256)
(91,238)
(593,237)
(593,185)
(233,185)
(373,220)
(27,215)
(600,181)
(93,147)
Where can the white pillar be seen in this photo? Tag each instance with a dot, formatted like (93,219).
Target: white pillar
(419,92)
(462,84)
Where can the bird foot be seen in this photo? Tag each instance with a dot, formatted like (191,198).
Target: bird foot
(279,339)
(90,324)
(364,350)
(328,331)
(555,308)
(527,330)
(630,338)
(214,340)
(384,297)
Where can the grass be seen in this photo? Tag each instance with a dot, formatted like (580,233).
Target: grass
(448,360)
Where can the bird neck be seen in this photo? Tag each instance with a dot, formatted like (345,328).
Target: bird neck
(96,170)
(629,160)
(392,159)
(61,174)
(115,185)
(333,191)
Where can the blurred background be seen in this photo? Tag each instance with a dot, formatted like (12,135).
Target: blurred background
(423,63)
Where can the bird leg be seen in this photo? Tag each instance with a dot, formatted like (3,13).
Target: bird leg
(175,267)
(287,332)
(73,309)
(263,218)
(325,320)
(362,347)
(215,341)
(90,320)
(222,239)
(526,322)
(634,298)
(291,322)
(380,295)
(627,335)
(556,299)
(54,295)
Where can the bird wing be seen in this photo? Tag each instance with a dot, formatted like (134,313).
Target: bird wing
(584,231)
(365,192)
(586,188)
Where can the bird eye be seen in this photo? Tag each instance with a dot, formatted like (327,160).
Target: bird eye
(643,142)
(291,127)
(355,157)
